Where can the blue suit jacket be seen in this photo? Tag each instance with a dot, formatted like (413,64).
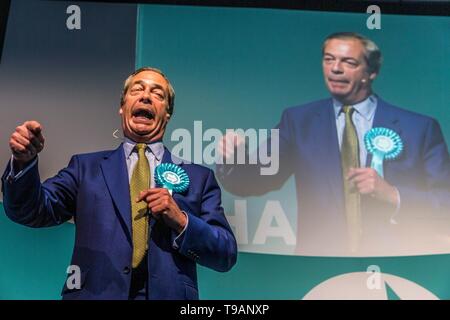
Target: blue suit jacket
(309,150)
(94,189)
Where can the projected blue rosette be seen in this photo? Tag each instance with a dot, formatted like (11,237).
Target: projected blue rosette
(383,144)
(171,177)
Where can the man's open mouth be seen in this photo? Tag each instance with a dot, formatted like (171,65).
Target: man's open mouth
(143,114)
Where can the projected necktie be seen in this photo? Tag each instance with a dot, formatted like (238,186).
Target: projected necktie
(349,159)
(139,182)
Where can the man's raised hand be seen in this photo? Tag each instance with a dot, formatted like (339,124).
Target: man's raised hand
(26,142)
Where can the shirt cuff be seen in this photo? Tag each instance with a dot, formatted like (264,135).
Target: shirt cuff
(179,238)
(12,176)
(397,209)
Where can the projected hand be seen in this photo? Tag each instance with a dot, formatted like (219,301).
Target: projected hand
(367,181)
(229,143)
(26,142)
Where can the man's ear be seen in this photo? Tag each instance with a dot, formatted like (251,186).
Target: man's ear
(372,76)
(120,111)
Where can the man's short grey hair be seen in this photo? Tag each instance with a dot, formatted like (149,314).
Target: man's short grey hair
(372,53)
(127,83)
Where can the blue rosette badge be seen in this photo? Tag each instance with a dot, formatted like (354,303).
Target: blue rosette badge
(171,177)
(383,144)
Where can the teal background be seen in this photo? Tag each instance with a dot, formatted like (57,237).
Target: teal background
(33,262)
(240,68)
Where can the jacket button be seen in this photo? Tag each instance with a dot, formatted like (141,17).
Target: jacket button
(126,270)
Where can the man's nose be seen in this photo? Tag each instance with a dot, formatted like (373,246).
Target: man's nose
(146,97)
(336,67)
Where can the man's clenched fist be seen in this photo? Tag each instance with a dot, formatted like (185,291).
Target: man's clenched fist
(26,142)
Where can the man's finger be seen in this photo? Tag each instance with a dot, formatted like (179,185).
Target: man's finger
(17,147)
(35,142)
(29,141)
(34,127)
(142,195)
(361,177)
(24,132)
(366,190)
(39,137)
(152,197)
(156,203)
(356,172)
(20,139)
(160,208)
(32,149)
(37,133)
(150,191)
(365,187)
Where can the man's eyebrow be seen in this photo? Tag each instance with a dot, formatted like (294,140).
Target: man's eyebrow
(136,82)
(142,82)
(342,58)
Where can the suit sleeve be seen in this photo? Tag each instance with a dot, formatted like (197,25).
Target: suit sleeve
(434,195)
(208,238)
(29,202)
(247,179)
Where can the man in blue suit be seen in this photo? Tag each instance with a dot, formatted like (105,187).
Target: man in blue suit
(345,207)
(134,240)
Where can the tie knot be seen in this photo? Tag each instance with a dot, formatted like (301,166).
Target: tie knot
(348,109)
(140,147)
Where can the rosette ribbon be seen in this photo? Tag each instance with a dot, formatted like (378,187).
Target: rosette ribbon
(383,144)
(171,177)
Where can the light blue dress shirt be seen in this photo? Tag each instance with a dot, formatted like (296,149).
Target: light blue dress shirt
(154,153)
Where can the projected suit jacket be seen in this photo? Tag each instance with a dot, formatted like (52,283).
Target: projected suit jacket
(94,189)
(309,150)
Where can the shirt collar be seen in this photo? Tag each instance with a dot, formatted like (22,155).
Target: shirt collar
(365,108)
(157,148)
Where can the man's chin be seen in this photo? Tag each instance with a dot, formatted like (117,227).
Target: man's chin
(139,135)
(142,130)
(143,136)
(338,94)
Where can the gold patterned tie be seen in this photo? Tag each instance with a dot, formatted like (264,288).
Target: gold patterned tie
(350,159)
(139,182)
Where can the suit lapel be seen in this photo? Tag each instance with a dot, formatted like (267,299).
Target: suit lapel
(115,172)
(169,158)
(327,140)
